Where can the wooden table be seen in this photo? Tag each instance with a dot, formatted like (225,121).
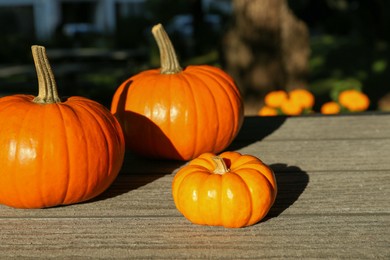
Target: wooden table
(333,174)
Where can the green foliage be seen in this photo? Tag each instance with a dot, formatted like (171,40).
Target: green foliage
(341,85)
(339,62)
(379,66)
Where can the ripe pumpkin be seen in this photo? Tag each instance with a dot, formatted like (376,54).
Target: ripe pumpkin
(52,152)
(230,190)
(176,113)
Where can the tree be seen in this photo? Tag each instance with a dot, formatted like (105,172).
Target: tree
(267,47)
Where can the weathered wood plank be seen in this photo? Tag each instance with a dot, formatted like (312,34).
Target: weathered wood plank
(324,155)
(320,236)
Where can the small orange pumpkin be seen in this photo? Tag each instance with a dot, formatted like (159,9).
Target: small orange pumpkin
(275,98)
(176,113)
(230,190)
(302,97)
(330,108)
(52,152)
(354,100)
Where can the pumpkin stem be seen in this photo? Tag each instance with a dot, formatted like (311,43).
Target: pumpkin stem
(168,57)
(47,86)
(220,165)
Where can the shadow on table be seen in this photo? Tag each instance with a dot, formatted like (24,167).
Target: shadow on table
(292,182)
(138,171)
(254,129)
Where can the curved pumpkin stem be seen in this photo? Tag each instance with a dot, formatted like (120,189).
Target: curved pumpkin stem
(220,165)
(168,57)
(47,86)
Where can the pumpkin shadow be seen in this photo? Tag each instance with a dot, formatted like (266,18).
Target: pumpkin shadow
(138,169)
(254,129)
(136,172)
(292,182)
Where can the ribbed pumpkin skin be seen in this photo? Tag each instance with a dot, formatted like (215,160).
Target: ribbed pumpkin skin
(56,154)
(238,198)
(179,116)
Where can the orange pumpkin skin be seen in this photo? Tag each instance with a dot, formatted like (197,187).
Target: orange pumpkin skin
(56,154)
(236,197)
(176,113)
(52,152)
(179,116)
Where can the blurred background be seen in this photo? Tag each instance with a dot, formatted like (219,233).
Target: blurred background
(265,45)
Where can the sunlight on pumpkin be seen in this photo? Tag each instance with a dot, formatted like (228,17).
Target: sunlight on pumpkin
(159,112)
(12,150)
(23,151)
(230,194)
(173,113)
(212,194)
(27,153)
(195,195)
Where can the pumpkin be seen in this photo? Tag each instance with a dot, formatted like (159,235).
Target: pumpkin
(302,97)
(267,111)
(330,108)
(53,152)
(175,113)
(230,190)
(354,100)
(275,98)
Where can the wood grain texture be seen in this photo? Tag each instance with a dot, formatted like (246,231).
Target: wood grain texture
(333,175)
(327,236)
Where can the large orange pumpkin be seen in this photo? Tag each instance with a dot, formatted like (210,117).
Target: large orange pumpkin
(176,113)
(52,152)
(230,190)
